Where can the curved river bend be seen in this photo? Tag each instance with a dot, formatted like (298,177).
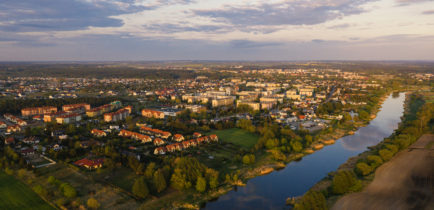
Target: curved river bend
(270,191)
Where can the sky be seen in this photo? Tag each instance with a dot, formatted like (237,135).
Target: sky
(142,30)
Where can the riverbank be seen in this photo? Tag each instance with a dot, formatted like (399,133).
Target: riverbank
(266,165)
(409,130)
(410,189)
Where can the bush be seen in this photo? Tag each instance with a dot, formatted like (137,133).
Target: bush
(140,189)
(312,200)
(385,154)
(363,169)
(343,181)
(93,203)
(374,161)
(201,184)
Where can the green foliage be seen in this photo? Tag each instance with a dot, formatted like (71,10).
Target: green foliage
(68,190)
(93,203)
(159,181)
(200,184)
(343,181)
(247,125)
(249,159)
(312,200)
(374,161)
(149,172)
(385,154)
(296,146)
(140,188)
(363,169)
(179,180)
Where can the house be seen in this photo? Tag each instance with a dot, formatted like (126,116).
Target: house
(196,135)
(68,118)
(98,133)
(9,140)
(178,137)
(159,142)
(38,110)
(178,146)
(186,144)
(3,124)
(121,114)
(75,107)
(90,164)
(213,137)
(170,148)
(31,140)
(193,142)
(13,128)
(149,113)
(160,151)
(27,151)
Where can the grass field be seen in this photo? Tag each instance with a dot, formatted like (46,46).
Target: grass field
(237,136)
(16,195)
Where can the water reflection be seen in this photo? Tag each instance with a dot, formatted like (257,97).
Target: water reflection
(270,191)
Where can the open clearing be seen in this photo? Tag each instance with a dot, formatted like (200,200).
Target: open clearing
(405,182)
(237,136)
(16,195)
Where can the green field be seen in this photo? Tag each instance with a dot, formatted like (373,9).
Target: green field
(16,195)
(237,136)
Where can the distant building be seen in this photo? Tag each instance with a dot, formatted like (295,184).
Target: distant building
(152,114)
(38,110)
(121,114)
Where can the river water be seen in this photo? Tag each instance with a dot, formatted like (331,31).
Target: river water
(270,191)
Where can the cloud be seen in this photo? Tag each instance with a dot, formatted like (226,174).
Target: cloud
(295,12)
(251,44)
(63,15)
(176,28)
(428,12)
(339,26)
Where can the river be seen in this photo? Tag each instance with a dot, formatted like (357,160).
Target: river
(270,191)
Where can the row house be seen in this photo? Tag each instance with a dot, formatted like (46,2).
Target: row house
(155,132)
(38,110)
(185,144)
(159,142)
(136,136)
(98,133)
(13,128)
(31,140)
(3,124)
(149,113)
(178,137)
(14,119)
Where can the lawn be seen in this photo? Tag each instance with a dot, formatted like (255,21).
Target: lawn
(16,195)
(237,136)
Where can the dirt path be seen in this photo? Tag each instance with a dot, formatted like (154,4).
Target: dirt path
(405,182)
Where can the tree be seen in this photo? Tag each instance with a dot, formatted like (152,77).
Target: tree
(179,180)
(93,203)
(149,172)
(363,169)
(68,190)
(249,159)
(159,181)
(296,146)
(385,154)
(312,200)
(343,181)
(374,161)
(140,189)
(201,184)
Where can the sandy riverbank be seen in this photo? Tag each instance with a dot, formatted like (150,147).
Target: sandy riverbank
(405,182)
